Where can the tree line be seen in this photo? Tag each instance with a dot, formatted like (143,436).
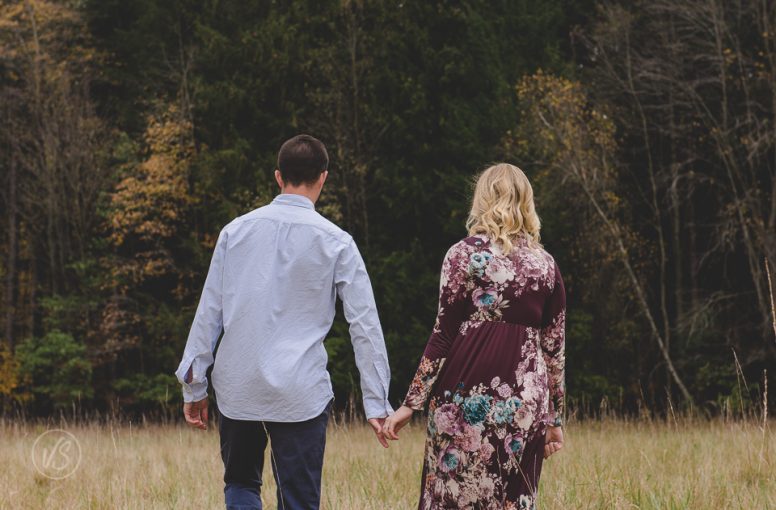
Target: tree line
(133,131)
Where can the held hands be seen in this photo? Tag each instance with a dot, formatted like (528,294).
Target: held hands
(388,428)
(394,423)
(196,413)
(553,440)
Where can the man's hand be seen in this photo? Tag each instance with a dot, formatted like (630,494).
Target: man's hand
(553,440)
(377,426)
(196,413)
(396,421)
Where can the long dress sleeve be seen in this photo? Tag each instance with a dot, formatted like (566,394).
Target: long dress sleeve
(553,340)
(453,289)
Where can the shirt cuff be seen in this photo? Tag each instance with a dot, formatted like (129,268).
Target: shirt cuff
(194,392)
(377,408)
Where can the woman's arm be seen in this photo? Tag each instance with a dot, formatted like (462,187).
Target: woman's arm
(454,287)
(553,340)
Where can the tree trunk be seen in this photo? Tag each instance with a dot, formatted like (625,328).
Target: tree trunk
(614,230)
(10,275)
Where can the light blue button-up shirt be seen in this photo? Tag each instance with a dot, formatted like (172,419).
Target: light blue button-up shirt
(272,287)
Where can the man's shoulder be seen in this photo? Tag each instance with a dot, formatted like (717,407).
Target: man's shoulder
(332,228)
(304,217)
(255,214)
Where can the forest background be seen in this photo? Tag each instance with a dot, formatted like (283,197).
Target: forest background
(132,132)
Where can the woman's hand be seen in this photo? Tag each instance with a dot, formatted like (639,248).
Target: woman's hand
(394,423)
(553,440)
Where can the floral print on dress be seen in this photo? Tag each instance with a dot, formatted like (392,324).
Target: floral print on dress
(422,382)
(553,350)
(492,375)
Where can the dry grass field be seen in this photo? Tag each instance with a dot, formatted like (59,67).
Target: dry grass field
(610,464)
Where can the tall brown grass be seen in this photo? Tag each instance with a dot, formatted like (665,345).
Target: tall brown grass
(678,463)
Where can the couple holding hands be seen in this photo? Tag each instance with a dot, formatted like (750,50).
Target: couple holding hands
(491,375)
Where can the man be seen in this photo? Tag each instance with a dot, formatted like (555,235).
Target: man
(272,285)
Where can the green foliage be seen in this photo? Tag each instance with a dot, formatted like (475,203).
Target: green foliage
(591,377)
(409,98)
(55,370)
(412,99)
(142,392)
(62,312)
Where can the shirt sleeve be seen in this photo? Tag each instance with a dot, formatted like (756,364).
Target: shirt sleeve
(553,340)
(366,334)
(451,313)
(205,329)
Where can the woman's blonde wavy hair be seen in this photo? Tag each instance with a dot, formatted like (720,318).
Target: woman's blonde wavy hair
(503,207)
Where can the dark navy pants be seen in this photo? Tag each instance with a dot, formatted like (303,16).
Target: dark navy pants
(296,453)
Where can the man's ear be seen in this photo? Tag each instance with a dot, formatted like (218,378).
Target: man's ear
(279,178)
(322,177)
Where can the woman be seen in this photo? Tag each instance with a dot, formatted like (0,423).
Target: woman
(493,369)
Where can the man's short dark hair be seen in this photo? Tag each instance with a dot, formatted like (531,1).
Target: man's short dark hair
(302,159)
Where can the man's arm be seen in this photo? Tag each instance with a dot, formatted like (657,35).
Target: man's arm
(355,290)
(205,330)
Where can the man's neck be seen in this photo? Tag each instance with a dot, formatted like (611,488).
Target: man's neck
(306,191)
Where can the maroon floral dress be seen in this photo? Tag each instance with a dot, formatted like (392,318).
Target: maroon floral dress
(493,376)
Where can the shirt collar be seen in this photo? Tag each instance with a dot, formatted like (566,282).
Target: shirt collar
(293,199)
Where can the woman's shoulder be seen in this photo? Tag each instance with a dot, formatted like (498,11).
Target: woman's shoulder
(544,264)
(539,253)
(528,252)
(542,252)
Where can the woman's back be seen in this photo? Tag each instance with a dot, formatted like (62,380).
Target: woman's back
(510,288)
(493,368)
